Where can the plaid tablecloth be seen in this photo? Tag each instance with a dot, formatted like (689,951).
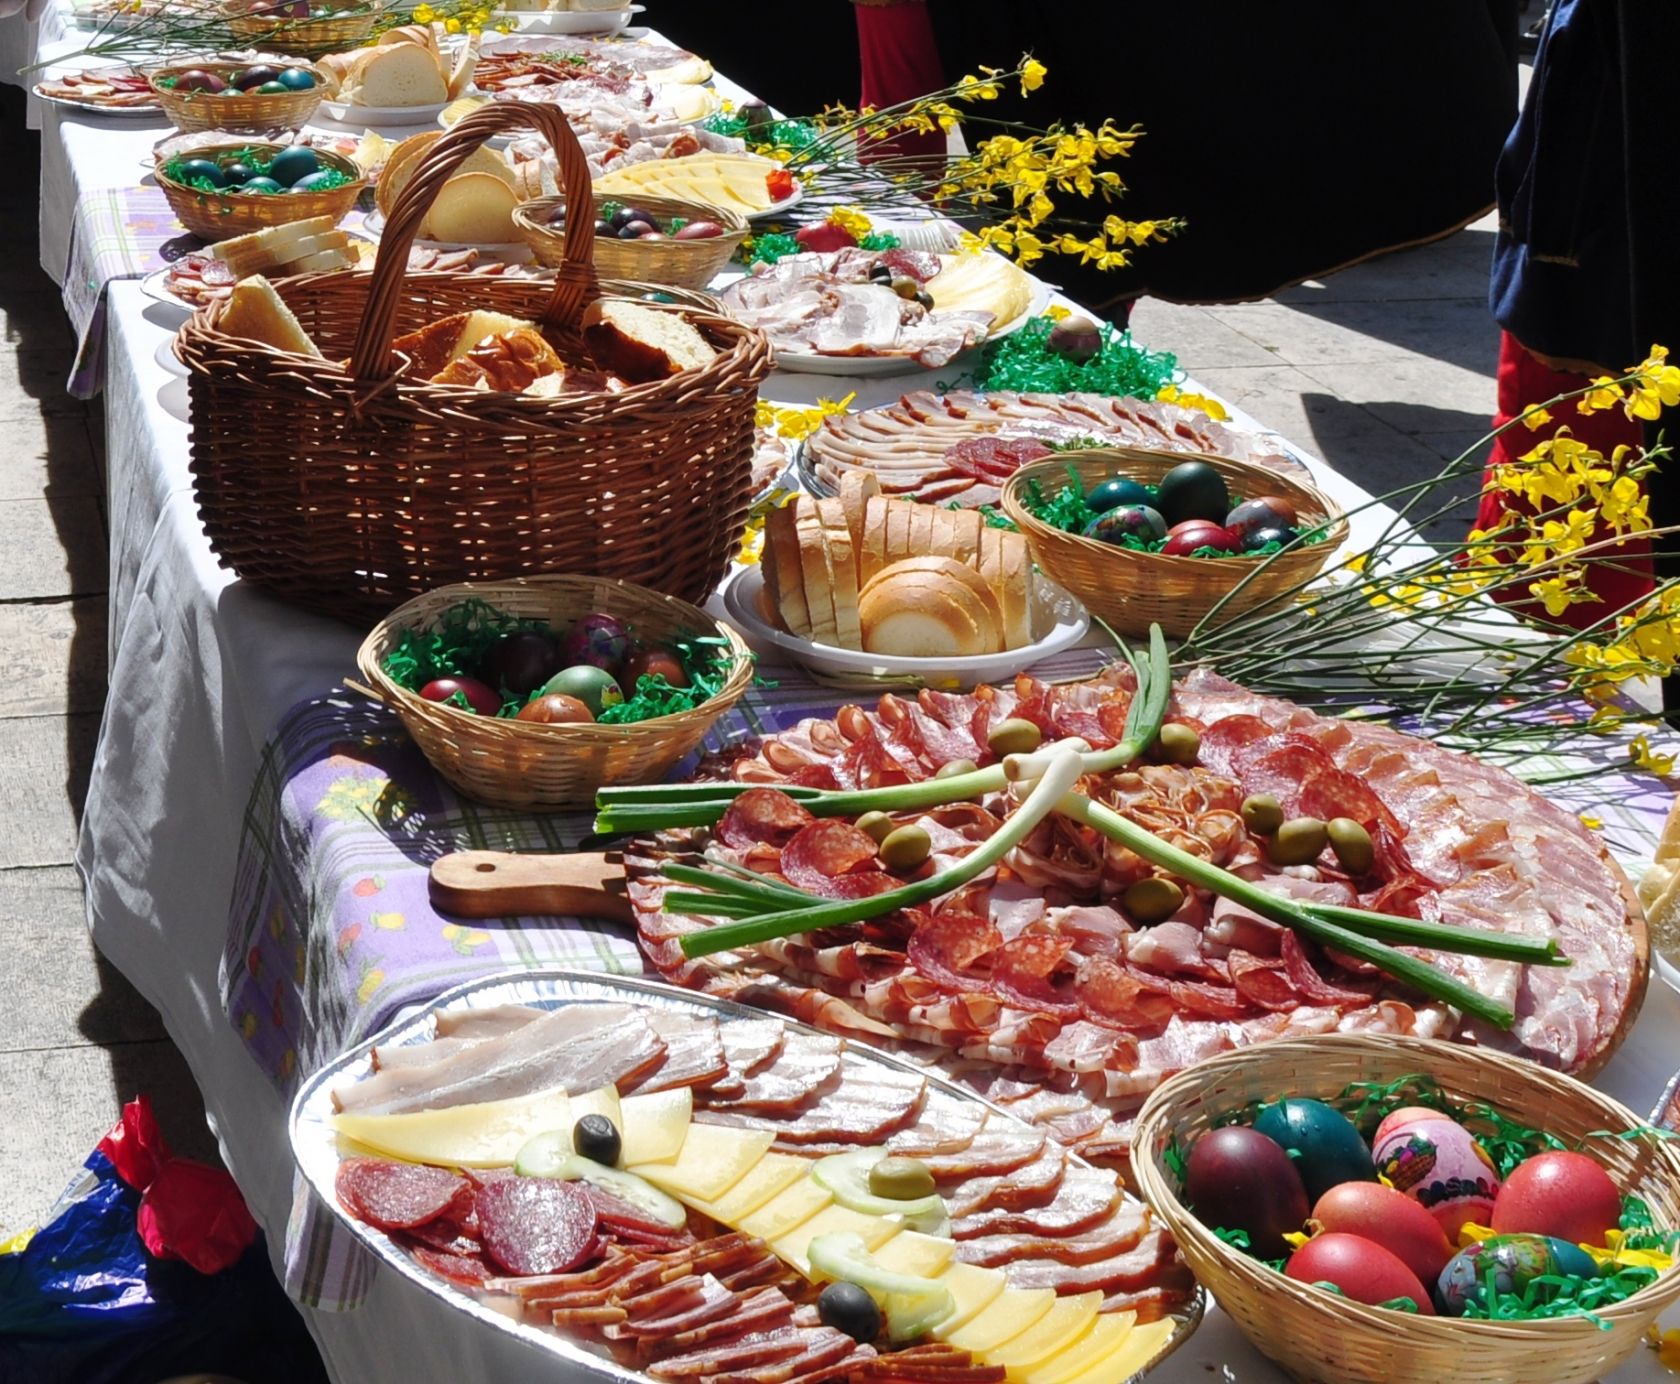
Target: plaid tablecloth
(332,934)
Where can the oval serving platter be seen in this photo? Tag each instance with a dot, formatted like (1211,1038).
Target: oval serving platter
(315,1145)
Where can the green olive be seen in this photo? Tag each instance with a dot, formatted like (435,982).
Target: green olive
(901,1179)
(905,848)
(1262,813)
(1298,842)
(1352,845)
(1153,900)
(955,767)
(875,824)
(1179,743)
(1014,736)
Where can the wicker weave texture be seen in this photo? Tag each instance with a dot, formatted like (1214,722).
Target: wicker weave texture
(1322,1337)
(1132,590)
(679,263)
(307,38)
(520,764)
(199,110)
(346,488)
(223,215)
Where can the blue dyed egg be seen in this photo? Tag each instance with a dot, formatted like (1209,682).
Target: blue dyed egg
(296,79)
(1326,1147)
(1117,491)
(1514,1262)
(202,168)
(291,165)
(1128,521)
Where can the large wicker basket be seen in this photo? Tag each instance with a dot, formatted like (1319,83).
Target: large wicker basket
(203,110)
(1132,590)
(520,764)
(265,27)
(346,488)
(1320,1336)
(223,215)
(680,263)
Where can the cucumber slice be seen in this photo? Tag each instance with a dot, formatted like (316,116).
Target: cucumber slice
(911,1304)
(846,1176)
(550,1155)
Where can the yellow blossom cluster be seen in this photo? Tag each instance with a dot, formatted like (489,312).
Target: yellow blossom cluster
(1649,388)
(796,422)
(458,18)
(1172,394)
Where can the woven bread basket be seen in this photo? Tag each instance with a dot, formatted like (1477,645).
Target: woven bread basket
(368,488)
(680,263)
(1132,590)
(223,215)
(308,38)
(1323,1337)
(203,110)
(521,764)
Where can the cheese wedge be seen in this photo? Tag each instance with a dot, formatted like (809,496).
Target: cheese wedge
(1130,1356)
(773,1174)
(819,593)
(784,576)
(1102,1339)
(1066,1321)
(973,1289)
(842,572)
(922,1256)
(737,181)
(1013,1311)
(655,1125)
(487,1134)
(787,1210)
(713,1159)
(794,1245)
(473,209)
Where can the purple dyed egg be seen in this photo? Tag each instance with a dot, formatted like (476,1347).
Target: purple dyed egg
(596,639)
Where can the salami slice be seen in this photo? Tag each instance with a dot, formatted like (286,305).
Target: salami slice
(400,1196)
(1261,981)
(1021,970)
(1313,987)
(761,814)
(945,946)
(814,776)
(467,1270)
(916,264)
(824,849)
(1112,996)
(534,1225)
(1222,740)
(994,458)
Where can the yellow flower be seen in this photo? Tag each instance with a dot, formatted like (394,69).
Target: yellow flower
(852,220)
(1590,822)
(1667,1346)
(1605,394)
(1536,418)
(1558,593)
(1032,75)
(1056,312)
(1172,394)
(424,14)
(971,88)
(1644,757)
(1656,385)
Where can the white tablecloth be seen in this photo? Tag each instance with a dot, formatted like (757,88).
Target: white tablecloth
(202,669)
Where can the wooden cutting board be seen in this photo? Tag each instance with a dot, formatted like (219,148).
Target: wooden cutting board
(499,884)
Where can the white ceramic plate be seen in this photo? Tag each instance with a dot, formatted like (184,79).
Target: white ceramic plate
(1060,619)
(174,399)
(315,1146)
(347,114)
(166,359)
(601,23)
(146,112)
(793,199)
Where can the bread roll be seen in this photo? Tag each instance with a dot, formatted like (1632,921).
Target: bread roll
(950,567)
(642,343)
(915,614)
(397,75)
(438,343)
(842,572)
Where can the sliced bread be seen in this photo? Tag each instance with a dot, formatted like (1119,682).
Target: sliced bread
(856,487)
(784,577)
(872,550)
(254,312)
(842,572)
(916,614)
(1016,587)
(473,209)
(813,564)
(397,75)
(643,343)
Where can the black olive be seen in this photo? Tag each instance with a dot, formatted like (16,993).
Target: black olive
(846,1307)
(880,273)
(595,1136)
(925,299)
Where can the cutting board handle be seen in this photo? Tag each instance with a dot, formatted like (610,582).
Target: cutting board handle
(500,884)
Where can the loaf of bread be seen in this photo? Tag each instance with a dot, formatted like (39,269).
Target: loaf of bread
(254,312)
(510,361)
(438,343)
(299,247)
(396,75)
(473,209)
(643,343)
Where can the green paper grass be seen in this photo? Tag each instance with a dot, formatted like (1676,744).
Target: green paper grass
(1024,362)
(258,161)
(1067,510)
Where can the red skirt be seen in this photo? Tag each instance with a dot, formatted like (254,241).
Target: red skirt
(900,63)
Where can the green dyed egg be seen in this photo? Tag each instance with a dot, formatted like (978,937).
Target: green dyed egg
(595,687)
(292,164)
(324,181)
(1326,1147)
(273,89)
(296,79)
(261,186)
(192,169)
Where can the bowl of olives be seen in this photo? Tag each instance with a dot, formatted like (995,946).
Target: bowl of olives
(1163,538)
(225,190)
(267,93)
(654,240)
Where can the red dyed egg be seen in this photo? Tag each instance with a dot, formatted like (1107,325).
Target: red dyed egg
(1564,1194)
(655,663)
(556,709)
(1263,511)
(1362,1269)
(479,696)
(1183,539)
(1388,1218)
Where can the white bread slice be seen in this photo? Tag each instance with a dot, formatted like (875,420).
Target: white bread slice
(855,489)
(1016,591)
(873,548)
(473,209)
(921,530)
(784,577)
(898,531)
(271,242)
(990,564)
(321,262)
(401,166)
(965,535)
(842,572)
(813,563)
(258,261)
(396,75)
(255,313)
(957,571)
(924,615)
(642,343)
(466,63)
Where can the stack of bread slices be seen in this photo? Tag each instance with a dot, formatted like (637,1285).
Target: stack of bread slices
(896,578)
(314,246)
(474,207)
(407,67)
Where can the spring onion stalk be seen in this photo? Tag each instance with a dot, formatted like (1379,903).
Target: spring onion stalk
(1409,969)
(1052,787)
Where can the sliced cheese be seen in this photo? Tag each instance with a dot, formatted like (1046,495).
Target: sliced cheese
(794,1245)
(774,1173)
(973,1289)
(713,1159)
(655,1125)
(922,1256)
(1130,1356)
(1101,1339)
(787,1210)
(1066,1321)
(1011,1313)
(488,1134)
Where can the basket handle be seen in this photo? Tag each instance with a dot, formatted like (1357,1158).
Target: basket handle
(575,284)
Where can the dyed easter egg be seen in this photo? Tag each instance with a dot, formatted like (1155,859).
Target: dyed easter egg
(1264,511)
(1117,491)
(294,164)
(1514,1262)
(1128,521)
(1443,1169)
(598,639)
(595,687)
(1193,490)
(1326,1147)
(1359,1269)
(652,663)
(1184,539)
(480,698)
(521,661)
(1258,538)
(1237,1179)
(1564,1194)
(1405,1115)
(1391,1219)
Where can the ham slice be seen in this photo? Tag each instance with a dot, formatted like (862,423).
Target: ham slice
(1035,1184)
(862,1107)
(1117,1232)
(1136,1268)
(1085,1198)
(694,1054)
(751,1351)
(1001,1146)
(806,1064)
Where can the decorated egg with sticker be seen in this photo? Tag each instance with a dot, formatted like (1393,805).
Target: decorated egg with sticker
(1440,1166)
(598,639)
(1138,522)
(1512,1263)
(1405,1115)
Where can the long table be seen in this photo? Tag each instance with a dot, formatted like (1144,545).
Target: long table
(202,671)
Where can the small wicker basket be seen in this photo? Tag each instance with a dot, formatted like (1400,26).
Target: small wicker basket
(1132,590)
(222,215)
(1325,1338)
(202,110)
(679,263)
(307,38)
(521,764)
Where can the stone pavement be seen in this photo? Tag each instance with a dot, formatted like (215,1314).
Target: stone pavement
(1384,370)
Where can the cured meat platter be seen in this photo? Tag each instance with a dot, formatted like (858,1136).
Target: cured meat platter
(1035,1247)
